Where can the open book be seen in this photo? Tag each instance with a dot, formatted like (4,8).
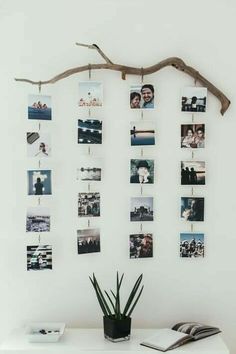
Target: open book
(165,339)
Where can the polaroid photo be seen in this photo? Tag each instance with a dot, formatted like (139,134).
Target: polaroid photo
(39,107)
(141,209)
(38,219)
(193,136)
(88,204)
(89,131)
(88,241)
(90,170)
(193,172)
(39,257)
(192,209)
(194,99)
(142,96)
(192,245)
(38,144)
(39,182)
(142,133)
(141,171)
(90,94)
(141,246)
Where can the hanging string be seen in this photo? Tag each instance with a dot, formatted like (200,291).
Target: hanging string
(191,227)
(40,86)
(89,151)
(39,163)
(88,223)
(192,190)
(39,239)
(89,112)
(141,114)
(142,152)
(141,190)
(89,71)
(141,227)
(39,126)
(192,155)
(89,187)
(142,75)
(39,200)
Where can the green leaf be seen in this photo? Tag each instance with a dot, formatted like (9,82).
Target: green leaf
(135,303)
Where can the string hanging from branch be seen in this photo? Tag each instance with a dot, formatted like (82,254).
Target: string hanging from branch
(175,62)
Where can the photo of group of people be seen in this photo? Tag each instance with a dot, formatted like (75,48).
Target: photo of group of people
(38,144)
(193,172)
(194,99)
(142,96)
(39,182)
(193,136)
(141,209)
(141,171)
(89,131)
(88,241)
(192,245)
(39,257)
(88,204)
(38,219)
(192,208)
(142,133)
(90,94)
(141,246)
(39,107)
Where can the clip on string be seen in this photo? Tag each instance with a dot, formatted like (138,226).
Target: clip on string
(141,74)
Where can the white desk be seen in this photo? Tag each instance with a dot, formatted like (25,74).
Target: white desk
(91,341)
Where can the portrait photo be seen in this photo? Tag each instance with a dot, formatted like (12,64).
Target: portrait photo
(142,96)
(193,136)
(141,171)
(141,209)
(142,133)
(38,219)
(194,99)
(90,170)
(39,182)
(89,131)
(192,209)
(90,94)
(88,241)
(193,172)
(38,144)
(39,107)
(191,245)
(39,257)
(88,204)
(141,246)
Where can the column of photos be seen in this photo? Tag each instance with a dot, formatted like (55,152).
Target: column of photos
(38,218)
(90,169)
(192,172)
(142,133)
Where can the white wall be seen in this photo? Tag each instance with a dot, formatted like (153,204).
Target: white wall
(37,42)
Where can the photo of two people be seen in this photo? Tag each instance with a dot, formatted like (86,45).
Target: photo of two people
(194,99)
(142,96)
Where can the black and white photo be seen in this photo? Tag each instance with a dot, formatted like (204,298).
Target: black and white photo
(193,136)
(38,219)
(141,209)
(141,171)
(192,245)
(192,208)
(193,172)
(89,131)
(39,257)
(88,204)
(39,182)
(90,170)
(88,241)
(194,99)
(141,246)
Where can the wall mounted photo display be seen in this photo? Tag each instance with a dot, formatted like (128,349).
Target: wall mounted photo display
(39,107)
(38,219)
(88,241)
(90,94)
(89,131)
(38,144)
(141,209)
(192,208)
(141,171)
(39,257)
(193,172)
(142,133)
(142,96)
(90,170)
(88,205)
(141,246)
(193,136)
(192,245)
(39,182)
(194,99)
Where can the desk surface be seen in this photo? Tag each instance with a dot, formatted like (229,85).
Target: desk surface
(91,341)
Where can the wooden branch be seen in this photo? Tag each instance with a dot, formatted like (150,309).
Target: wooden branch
(175,62)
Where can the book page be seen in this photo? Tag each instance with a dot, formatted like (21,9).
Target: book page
(165,338)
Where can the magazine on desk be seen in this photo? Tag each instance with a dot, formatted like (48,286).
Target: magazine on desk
(165,338)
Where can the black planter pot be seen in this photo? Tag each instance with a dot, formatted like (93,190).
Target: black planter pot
(117,330)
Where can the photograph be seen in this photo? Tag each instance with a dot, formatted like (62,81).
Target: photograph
(193,136)
(141,171)
(39,257)
(194,99)
(88,241)
(193,172)
(39,107)
(38,219)
(39,182)
(89,131)
(90,94)
(88,204)
(141,96)
(142,133)
(191,245)
(141,209)
(141,246)
(38,144)
(90,169)
(192,209)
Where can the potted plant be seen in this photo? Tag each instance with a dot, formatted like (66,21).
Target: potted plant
(117,322)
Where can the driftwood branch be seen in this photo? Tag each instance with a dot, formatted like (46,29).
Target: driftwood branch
(175,62)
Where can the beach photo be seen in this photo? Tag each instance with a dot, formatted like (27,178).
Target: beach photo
(142,96)
(88,241)
(192,245)
(39,182)
(194,99)
(39,107)
(38,144)
(90,170)
(38,219)
(193,136)
(90,94)
(89,131)
(141,171)
(39,257)
(141,209)
(192,209)
(193,172)
(88,204)
(141,246)
(142,133)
